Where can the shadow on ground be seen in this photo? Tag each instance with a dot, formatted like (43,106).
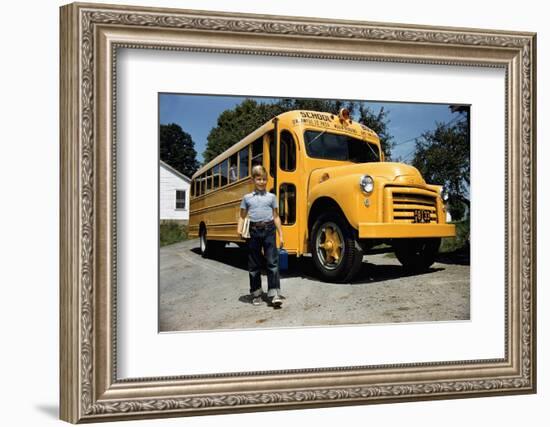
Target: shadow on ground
(236,257)
(458,257)
(373,273)
(247,299)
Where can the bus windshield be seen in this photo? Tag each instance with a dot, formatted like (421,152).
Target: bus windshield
(331,146)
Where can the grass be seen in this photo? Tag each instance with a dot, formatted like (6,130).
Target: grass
(171,232)
(462,239)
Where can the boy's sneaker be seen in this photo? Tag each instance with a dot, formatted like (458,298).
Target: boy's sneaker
(277,301)
(257,300)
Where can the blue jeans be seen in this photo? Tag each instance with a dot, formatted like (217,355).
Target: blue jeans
(263,238)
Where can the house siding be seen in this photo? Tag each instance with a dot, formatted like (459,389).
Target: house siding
(169,183)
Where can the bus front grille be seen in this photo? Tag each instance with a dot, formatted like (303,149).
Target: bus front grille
(410,206)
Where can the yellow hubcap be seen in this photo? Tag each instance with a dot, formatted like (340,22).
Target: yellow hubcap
(332,245)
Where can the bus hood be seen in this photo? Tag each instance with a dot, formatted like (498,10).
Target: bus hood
(397,173)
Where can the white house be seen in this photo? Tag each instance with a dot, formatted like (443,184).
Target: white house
(173,194)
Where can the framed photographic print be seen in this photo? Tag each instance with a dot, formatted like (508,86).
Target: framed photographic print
(320,154)
(394,164)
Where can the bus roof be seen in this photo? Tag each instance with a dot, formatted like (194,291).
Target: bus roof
(296,118)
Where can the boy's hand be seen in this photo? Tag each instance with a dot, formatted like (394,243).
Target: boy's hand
(282,243)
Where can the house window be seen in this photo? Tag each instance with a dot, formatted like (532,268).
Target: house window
(180,199)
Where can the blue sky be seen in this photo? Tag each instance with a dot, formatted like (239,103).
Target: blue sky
(197,115)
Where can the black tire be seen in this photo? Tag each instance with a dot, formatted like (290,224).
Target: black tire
(209,248)
(203,243)
(347,260)
(416,255)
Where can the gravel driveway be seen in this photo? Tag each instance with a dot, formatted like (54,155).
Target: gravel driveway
(204,294)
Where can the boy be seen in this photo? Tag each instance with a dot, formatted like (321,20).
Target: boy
(262,210)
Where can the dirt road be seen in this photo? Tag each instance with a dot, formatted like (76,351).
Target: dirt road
(204,294)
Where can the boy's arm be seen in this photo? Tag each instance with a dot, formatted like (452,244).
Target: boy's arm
(277,221)
(241,220)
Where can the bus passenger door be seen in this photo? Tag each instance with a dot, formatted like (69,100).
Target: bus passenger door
(287,187)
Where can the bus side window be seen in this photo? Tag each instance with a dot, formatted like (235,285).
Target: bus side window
(233,168)
(223,171)
(243,163)
(258,152)
(216,177)
(201,184)
(287,152)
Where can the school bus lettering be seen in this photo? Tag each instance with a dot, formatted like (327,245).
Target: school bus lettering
(314,115)
(337,196)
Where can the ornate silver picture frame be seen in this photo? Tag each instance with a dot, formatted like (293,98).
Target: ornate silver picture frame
(91,390)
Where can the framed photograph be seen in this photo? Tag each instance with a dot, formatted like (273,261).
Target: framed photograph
(386,175)
(415,235)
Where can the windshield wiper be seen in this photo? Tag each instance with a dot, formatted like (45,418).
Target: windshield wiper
(377,156)
(317,137)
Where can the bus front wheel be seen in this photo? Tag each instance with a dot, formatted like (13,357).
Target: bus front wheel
(416,254)
(336,254)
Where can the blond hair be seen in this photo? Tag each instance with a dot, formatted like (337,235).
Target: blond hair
(258,170)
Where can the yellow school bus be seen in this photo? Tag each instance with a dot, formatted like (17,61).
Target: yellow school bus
(337,196)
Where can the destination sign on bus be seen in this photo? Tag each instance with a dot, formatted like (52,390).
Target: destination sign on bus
(323,121)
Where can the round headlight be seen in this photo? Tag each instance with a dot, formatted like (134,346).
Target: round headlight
(366,183)
(444,194)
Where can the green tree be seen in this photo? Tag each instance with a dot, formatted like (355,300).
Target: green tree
(328,106)
(443,157)
(178,149)
(234,124)
(378,122)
